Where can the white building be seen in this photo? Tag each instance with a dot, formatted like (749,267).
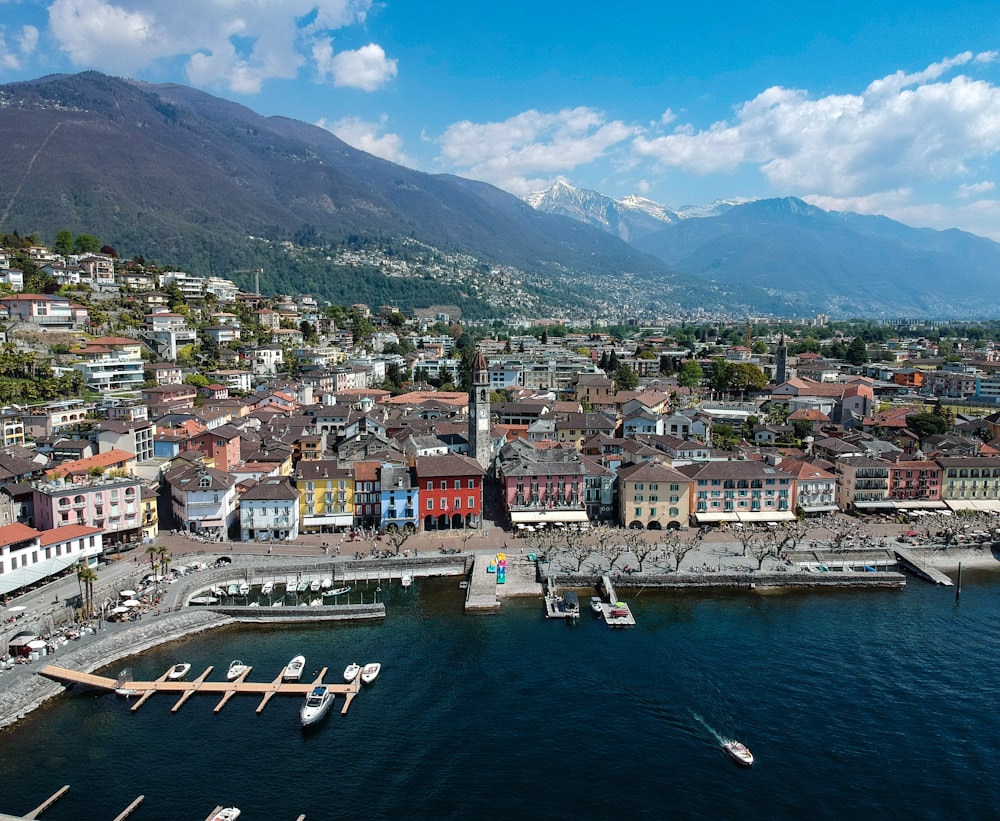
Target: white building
(29,556)
(269,511)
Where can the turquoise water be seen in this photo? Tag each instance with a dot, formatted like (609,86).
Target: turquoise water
(853,703)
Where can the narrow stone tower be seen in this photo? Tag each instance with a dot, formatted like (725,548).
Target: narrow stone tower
(780,361)
(480,443)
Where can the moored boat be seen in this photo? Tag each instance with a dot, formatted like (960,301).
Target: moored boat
(337,591)
(314,585)
(407,580)
(236,669)
(303,586)
(232,589)
(351,672)
(178,671)
(327,583)
(596,603)
(203,600)
(293,670)
(738,752)
(370,672)
(244,588)
(317,705)
(227,814)
(266,588)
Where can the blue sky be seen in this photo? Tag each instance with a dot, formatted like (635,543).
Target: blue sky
(885,108)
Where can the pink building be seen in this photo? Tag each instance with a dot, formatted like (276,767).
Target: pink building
(918,481)
(113,505)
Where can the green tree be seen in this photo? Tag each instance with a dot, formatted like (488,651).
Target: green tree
(857,352)
(690,374)
(64,243)
(743,377)
(625,378)
(86,244)
(927,424)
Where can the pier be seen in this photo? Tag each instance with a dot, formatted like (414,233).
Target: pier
(482,592)
(919,568)
(615,613)
(186,689)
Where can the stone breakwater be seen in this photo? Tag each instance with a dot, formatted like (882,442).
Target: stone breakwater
(744,581)
(27,690)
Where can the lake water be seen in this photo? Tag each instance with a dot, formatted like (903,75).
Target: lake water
(859,704)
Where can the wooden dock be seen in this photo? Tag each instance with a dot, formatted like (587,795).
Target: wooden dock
(910,561)
(186,689)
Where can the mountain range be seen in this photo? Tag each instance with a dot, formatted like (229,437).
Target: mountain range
(806,259)
(194,181)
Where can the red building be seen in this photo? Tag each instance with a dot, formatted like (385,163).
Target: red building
(915,481)
(451,491)
(221,445)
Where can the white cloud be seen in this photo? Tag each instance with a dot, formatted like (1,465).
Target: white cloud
(366,68)
(972,189)
(901,130)
(239,45)
(26,40)
(530,143)
(369,136)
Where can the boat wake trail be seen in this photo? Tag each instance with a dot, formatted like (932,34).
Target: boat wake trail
(709,727)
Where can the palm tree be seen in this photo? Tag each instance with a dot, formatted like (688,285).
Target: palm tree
(86,576)
(152,550)
(164,553)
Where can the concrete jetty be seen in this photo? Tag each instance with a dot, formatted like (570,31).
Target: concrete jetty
(910,561)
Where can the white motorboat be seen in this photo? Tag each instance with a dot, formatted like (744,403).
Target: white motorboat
(302,587)
(351,672)
(294,668)
(314,586)
(178,671)
(407,580)
(232,589)
(244,588)
(318,704)
(227,814)
(337,591)
(266,588)
(327,583)
(278,603)
(236,669)
(596,603)
(315,602)
(370,672)
(203,600)
(738,753)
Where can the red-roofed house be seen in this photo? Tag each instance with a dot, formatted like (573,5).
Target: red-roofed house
(78,470)
(29,556)
(451,491)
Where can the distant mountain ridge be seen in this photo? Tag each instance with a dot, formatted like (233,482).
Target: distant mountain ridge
(806,259)
(183,177)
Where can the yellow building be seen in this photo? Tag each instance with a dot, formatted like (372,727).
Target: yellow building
(327,501)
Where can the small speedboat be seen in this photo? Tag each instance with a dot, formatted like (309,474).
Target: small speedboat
(314,585)
(327,583)
(370,672)
(227,814)
(302,587)
(315,602)
(596,603)
(351,672)
(407,580)
(244,588)
(278,603)
(294,668)
(739,753)
(337,591)
(318,704)
(203,600)
(178,671)
(232,589)
(266,588)
(236,669)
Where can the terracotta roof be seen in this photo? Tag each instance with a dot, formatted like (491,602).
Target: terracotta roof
(65,533)
(9,534)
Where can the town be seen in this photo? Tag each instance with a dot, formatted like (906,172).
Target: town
(140,401)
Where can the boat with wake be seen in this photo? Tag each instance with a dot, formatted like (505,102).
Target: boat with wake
(738,752)
(318,704)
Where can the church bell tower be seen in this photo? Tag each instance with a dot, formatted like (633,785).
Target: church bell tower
(480,442)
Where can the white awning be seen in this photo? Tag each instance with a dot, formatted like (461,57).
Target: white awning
(716,516)
(883,505)
(769,516)
(344,520)
(547,516)
(919,504)
(23,576)
(983,505)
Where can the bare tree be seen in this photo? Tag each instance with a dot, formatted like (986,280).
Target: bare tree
(639,545)
(678,548)
(762,547)
(398,536)
(792,532)
(745,536)
(609,543)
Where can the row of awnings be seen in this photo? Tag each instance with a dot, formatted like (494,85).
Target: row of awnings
(980,505)
(732,516)
(554,516)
